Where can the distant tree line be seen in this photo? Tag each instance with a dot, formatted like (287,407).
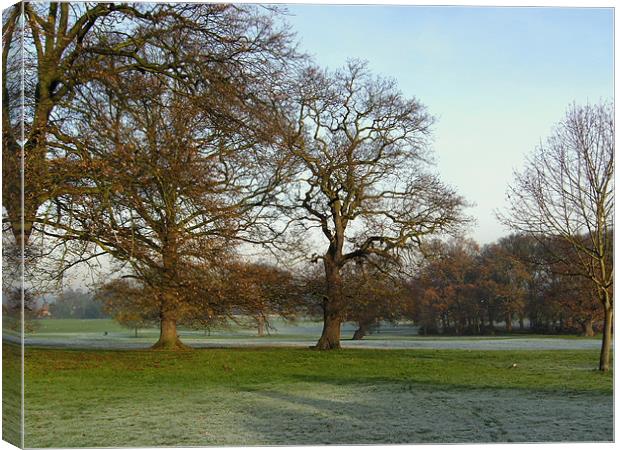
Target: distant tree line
(465,289)
(75,304)
(514,284)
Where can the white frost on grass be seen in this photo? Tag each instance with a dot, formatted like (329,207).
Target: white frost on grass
(116,343)
(321,413)
(71,333)
(316,411)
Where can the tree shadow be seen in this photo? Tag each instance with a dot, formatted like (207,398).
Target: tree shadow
(319,413)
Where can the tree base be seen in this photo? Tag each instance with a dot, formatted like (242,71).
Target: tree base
(175,345)
(587,329)
(359,334)
(325,344)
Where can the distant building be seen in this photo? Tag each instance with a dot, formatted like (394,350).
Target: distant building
(44,311)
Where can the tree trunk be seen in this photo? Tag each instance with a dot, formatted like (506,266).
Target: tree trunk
(261,325)
(607,335)
(508,322)
(135,332)
(168,338)
(521,323)
(458,326)
(360,332)
(491,319)
(332,308)
(330,336)
(587,329)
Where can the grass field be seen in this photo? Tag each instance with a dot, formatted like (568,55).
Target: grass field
(11,395)
(300,396)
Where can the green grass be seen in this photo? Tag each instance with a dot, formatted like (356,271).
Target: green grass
(293,396)
(11,395)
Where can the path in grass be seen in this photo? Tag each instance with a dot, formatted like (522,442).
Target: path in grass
(293,396)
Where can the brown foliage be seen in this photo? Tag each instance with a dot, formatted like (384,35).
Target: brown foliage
(172,172)
(463,289)
(446,292)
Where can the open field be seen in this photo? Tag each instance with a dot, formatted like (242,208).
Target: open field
(299,396)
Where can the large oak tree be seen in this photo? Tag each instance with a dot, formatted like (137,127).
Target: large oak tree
(155,142)
(360,151)
(169,181)
(62,49)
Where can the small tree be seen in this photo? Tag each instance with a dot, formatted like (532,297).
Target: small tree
(373,296)
(566,191)
(259,290)
(130,304)
(359,149)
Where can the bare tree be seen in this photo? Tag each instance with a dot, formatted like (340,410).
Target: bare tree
(359,148)
(260,290)
(566,191)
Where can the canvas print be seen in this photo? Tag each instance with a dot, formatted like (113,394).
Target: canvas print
(306,224)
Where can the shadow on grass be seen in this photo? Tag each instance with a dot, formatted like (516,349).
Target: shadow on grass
(319,413)
(472,383)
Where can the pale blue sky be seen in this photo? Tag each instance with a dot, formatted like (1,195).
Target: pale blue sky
(496,79)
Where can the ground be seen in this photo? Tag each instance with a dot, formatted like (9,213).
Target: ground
(290,395)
